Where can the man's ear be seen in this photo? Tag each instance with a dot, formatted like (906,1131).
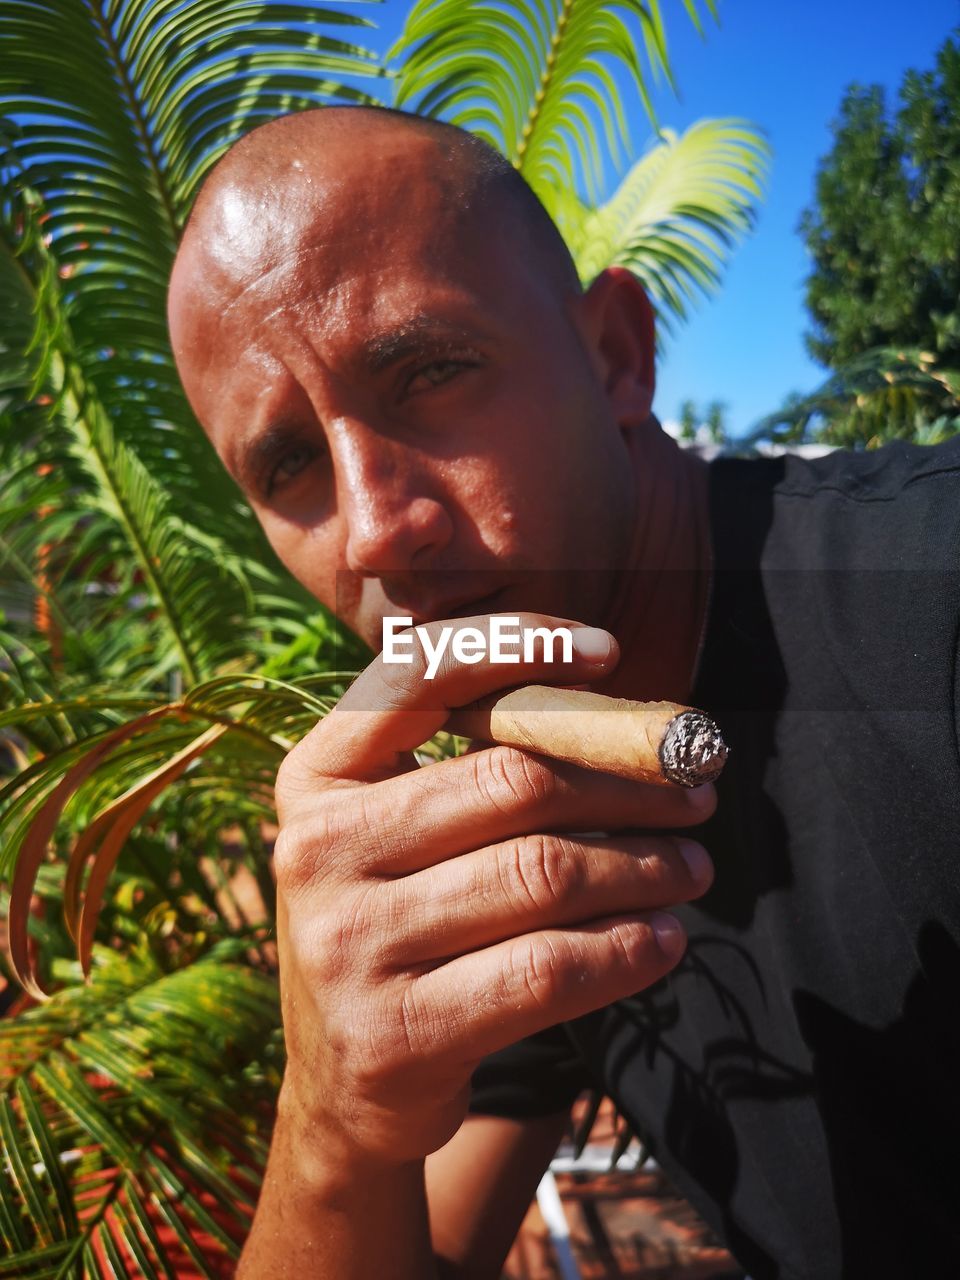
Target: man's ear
(618,326)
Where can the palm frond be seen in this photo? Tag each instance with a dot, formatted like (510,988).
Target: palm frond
(123,510)
(536,78)
(105,529)
(677,213)
(135,1113)
(231,733)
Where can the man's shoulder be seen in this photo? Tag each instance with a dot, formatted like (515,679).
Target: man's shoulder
(895,507)
(876,475)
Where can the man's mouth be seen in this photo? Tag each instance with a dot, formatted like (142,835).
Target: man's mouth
(436,609)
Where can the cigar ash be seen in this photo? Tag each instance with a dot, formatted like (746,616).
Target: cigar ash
(692,751)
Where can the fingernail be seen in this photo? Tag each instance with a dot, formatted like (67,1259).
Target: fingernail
(703,798)
(697,860)
(592,643)
(671,937)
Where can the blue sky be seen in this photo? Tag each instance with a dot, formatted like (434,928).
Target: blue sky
(784,65)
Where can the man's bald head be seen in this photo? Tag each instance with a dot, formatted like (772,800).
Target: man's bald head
(470,179)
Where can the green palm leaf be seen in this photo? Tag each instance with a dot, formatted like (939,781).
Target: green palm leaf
(123,515)
(232,733)
(119,550)
(536,78)
(676,214)
(114,113)
(151,1085)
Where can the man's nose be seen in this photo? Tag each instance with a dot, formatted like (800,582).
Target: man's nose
(396,520)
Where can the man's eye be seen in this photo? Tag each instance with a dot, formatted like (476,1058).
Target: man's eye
(290,465)
(436,373)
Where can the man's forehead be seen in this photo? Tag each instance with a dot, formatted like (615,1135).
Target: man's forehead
(311,251)
(336,231)
(335,203)
(352,293)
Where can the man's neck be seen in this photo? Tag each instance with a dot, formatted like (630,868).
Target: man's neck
(660,612)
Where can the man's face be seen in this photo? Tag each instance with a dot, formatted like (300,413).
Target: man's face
(407,402)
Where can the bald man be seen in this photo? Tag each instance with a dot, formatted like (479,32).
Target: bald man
(385,339)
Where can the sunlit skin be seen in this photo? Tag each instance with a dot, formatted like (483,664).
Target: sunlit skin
(423,419)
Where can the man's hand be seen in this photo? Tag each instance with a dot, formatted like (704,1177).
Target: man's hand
(429,916)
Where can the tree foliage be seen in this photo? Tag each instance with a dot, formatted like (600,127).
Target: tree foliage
(886,394)
(884,292)
(707,427)
(884,234)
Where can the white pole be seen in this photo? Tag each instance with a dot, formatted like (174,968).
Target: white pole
(551,1206)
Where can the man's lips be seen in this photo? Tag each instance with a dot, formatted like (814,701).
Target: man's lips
(436,610)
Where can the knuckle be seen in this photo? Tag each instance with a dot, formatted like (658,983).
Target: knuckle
(536,970)
(325,844)
(630,942)
(288,772)
(298,772)
(414,1025)
(664,871)
(367,828)
(336,946)
(339,952)
(658,864)
(288,856)
(362,1048)
(398,683)
(300,780)
(353,929)
(542,870)
(304,848)
(512,780)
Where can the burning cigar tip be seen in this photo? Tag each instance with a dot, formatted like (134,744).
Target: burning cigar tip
(692,751)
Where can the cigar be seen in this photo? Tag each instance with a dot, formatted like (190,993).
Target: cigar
(659,742)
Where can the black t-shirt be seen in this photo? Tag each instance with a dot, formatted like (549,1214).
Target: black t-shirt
(798,1074)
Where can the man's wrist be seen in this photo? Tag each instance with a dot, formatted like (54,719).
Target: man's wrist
(323,1156)
(320,1196)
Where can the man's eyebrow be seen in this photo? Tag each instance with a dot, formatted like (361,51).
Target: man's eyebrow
(258,450)
(410,338)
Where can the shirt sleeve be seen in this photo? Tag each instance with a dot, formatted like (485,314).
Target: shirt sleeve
(539,1076)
